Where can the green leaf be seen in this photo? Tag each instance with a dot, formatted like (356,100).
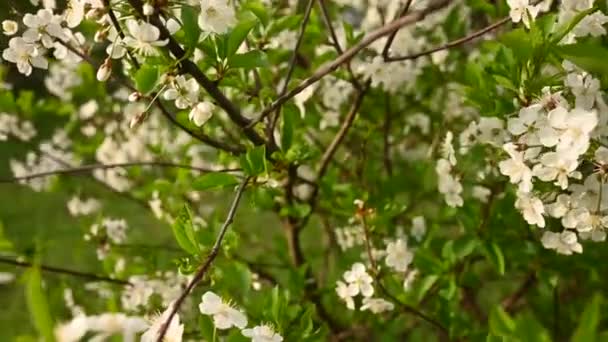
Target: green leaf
(189,19)
(146,78)
(238,35)
(494,254)
(425,285)
(259,10)
(184,232)
(5,244)
(249,60)
(38,305)
(589,321)
(288,120)
(254,161)
(464,246)
(214,180)
(501,324)
(563,30)
(588,56)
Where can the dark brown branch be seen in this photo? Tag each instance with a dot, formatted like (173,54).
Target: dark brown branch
(91,167)
(118,28)
(189,67)
(200,273)
(199,136)
(451,44)
(60,270)
(511,301)
(412,310)
(350,53)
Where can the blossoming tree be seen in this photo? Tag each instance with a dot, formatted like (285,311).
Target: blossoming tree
(316,170)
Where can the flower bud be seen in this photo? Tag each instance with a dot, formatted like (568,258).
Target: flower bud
(105,70)
(9,27)
(148,9)
(134,96)
(137,120)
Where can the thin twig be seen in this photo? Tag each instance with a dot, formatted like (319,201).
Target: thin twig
(91,167)
(60,270)
(511,301)
(336,42)
(291,67)
(451,44)
(350,53)
(412,310)
(348,121)
(368,243)
(200,273)
(391,37)
(118,28)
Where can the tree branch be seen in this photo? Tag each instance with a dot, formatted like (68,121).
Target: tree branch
(91,167)
(60,270)
(350,53)
(200,273)
(448,45)
(188,67)
(391,37)
(511,301)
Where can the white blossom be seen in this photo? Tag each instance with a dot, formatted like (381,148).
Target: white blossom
(174,331)
(25,55)
(343,291)
(201,113)
(516,169)
(262,333)
(359,281)
(376,305)
(531,208)
(521,10)
(184,92)
(564,243)
(224,315)
(143,37)
(398,256)
(9,27)
(216,16)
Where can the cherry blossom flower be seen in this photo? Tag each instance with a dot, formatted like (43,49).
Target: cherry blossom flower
(558,167)
(201,113)
(9,27)
(418,228)
(521,10)
(74,13)
(344,293)
(216,16)
(531,207)
(224,315)
(143,38)
(564,243)
(359,281)
(184,92)
(174,332)
(262,333)
(516,169)
(376,305)
(398,256)
(25,55)
(44,27)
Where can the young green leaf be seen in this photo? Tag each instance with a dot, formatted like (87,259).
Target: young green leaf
(501,324)
(238,35)
(589,321)
(214,180)
(190,26)
(146,78)
(184,232)
(249,60)
(38,305)
(254,161)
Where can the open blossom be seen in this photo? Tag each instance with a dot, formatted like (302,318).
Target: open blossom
(185,93)
(216,16)
(584,87)
(564,243)
(25,55)
(262,333)
(591,25)
(376,305)
(224,315)
(44,27)
(201,113)
(344,293)
(558,167)
(521,10)
(73,330)
(74,13)
(359,281)
(174,332)
(516,169)
(531,208)
(78,207)
(575,130)
(398,256)
(9,27)
(144,37)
